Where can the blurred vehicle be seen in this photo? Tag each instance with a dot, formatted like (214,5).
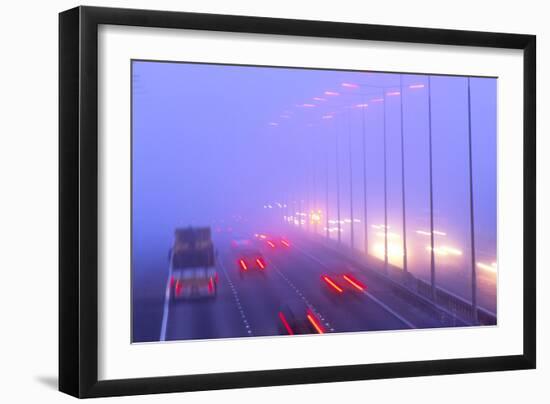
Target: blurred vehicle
(193,265)
(342,283)
(250,259)
(295,317)
(273,241)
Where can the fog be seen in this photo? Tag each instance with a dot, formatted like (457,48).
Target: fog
(211,143)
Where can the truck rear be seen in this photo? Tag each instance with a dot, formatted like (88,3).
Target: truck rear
(193,264)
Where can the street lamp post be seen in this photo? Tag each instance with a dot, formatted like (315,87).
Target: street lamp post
(365,209)
(327,224)
(432,246)
(403,176)
(352,234)
(314,186)
(383,100)
(472,227)
(338,218)
(385,187)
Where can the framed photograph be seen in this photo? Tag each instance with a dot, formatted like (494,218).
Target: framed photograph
(251,201)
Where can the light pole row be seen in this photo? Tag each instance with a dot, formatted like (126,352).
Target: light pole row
(328,227)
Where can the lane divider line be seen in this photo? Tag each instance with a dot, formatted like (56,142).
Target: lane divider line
(315,311)
(165,311)
(237,299)
(390,310)
(166,308)
(368,294)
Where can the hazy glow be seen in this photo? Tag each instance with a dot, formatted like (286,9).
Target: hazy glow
(395,253)
(390,235)
(490,268)
(333,229)
(445,250)
(427,233)
(315,217)
(333,166)
(350,85)
(424,233)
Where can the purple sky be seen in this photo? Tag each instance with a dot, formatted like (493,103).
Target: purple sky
(204,149)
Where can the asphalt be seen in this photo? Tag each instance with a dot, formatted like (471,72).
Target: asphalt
(247,304)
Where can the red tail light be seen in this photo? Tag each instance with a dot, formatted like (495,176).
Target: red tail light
(260,263)
(285,324)
(210,285)
(179,287)
(354,282)
(285,243)
(332,284)
(243,265)
(315,323)
(271,244)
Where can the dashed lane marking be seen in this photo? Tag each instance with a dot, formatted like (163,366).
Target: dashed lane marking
(369,295)
(299,293)
(237,299)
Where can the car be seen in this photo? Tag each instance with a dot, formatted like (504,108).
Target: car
(249,259)
(275,241)
(342,283)
(295,317)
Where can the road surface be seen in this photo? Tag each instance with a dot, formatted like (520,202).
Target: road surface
(247,304)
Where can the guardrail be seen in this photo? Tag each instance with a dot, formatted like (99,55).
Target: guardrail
(445,304)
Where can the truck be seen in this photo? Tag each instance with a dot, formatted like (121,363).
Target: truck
(193,264)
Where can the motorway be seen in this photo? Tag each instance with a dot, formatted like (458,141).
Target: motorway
(247,304)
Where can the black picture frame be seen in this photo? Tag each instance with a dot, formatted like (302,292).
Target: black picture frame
(78,200)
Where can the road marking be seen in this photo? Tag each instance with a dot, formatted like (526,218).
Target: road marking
(164,323)
(390,310)
(166,309)
(369,295)
(237,299)
(315,311)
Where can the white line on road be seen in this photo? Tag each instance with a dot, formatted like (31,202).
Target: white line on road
(390,310)
(369,295)
(315,311)
(237,300)
(164,323)
(166,309)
